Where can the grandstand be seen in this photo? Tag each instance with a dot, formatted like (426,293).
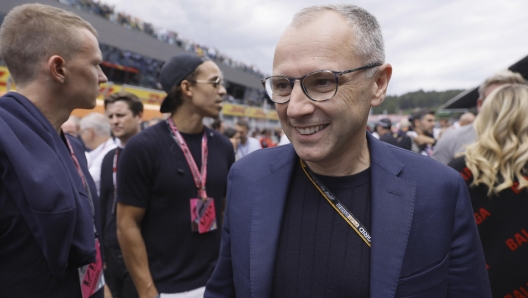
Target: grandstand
(133,53)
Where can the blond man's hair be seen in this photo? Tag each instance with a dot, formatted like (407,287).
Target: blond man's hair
(32,33)
(502,77)
(499,157)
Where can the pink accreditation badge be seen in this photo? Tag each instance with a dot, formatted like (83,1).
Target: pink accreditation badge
(203,215)
(91,276)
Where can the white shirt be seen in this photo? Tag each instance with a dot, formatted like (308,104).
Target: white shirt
(251,145)
(284,140)
(95,160)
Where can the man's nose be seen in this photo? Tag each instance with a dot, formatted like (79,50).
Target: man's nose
(299,104)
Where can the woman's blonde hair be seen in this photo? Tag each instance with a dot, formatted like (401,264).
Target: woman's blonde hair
(500,154)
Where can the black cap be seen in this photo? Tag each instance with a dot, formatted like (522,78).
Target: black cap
(385,123)
(173,72)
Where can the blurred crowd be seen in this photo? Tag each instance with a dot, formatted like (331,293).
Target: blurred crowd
(165,35)
(442,138)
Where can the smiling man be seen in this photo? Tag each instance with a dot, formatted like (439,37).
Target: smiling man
(340,213)
(171,184)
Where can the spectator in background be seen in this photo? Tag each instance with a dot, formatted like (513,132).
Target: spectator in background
(265,139)
(495,168)
(246,144)
(423,123)
(384,128)
(232,135)
(95,133)
(218,125)
(375,132)
(444,125)
(125,111)
(283,139)
(466,119)
(453,141)
(404,126)
(72,126)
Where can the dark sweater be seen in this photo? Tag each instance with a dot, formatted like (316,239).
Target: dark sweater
(319,254)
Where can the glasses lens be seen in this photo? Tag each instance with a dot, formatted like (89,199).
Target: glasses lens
(320,85)
(278,89)
(216,83)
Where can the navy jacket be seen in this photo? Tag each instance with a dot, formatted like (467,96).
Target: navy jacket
(424,237)
(46,222)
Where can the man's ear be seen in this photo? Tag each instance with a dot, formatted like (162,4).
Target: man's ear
(381,82)
(185,87)
(480,101)
(57,68)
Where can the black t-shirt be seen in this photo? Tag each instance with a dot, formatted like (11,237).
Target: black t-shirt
(106,196)
(153,174)
(319,254)
(502,223)
(389,138)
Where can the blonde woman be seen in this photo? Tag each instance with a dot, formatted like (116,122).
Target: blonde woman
(495,170)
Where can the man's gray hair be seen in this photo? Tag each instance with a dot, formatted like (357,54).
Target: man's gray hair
(500,78)
(369,40)
(98,122)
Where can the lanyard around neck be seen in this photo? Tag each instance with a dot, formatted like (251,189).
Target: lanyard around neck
(83,178)
(198,176)
(114,178)
(356,225)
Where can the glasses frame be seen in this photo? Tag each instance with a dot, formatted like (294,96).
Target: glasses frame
(301,79)
(216,83)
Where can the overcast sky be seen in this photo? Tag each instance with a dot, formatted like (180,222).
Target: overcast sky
(431,44)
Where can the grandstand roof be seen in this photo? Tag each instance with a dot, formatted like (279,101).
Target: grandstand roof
(468,98)
(143,44)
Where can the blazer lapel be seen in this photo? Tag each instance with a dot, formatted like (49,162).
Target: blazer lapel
(392,213)
(266,220)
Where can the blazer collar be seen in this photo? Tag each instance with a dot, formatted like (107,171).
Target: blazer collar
(392,209)
(266,220)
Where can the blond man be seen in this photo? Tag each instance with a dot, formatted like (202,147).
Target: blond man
(48,203)
(454,141)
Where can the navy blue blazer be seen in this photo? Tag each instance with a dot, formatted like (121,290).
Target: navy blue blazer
(424,237)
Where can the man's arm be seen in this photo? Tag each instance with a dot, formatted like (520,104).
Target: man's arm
(467,269)
(133,248)
(422,140)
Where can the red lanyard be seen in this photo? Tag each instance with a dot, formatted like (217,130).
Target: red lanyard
(78,166)
(114,178)
(75,161)
(199,177)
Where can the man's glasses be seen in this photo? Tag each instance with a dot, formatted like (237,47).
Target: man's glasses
(318,85)
(216,83)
